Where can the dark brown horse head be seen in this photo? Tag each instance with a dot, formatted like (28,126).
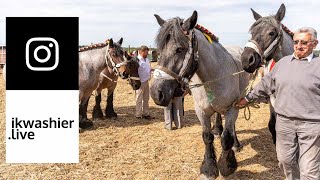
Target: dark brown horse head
(132,67)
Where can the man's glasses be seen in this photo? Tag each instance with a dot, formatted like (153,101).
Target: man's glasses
(302,42)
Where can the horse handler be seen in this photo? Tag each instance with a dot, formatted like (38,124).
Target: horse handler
(174,112)
(295,82)
(142,99)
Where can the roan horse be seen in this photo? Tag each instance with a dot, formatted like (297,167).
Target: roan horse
(92,61)
(185,54)
(270,40)
(108,79)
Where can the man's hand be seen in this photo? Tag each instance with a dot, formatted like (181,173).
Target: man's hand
(242,103)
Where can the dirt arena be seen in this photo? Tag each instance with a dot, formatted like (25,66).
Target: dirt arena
(128,148)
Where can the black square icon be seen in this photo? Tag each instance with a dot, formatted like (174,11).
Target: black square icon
(42,53)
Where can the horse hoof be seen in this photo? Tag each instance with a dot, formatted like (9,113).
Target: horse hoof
(111,115)
(227,163)
(114,118)
(85,124)
(204,177)
(97,113)
(97,118)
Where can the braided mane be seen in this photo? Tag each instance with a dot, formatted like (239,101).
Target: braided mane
(206,31)
(287,30)
(93,46)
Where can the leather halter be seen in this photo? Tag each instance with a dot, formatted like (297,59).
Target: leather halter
(187,70)
(114,66)
(271,48)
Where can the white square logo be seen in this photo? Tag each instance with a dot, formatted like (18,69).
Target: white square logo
(49,47)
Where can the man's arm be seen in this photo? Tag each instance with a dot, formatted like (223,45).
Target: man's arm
(263,89)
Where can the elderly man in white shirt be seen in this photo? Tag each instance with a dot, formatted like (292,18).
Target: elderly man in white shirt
(142,99)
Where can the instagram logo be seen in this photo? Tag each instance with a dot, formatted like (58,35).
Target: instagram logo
(42,54)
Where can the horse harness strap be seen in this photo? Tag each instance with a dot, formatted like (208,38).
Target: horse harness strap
(114,66)
(273,46)
(183,77)
(171,74)
(108,78)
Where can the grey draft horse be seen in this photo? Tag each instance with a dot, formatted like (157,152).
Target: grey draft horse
(92,61)
(186,55)
(270,40)
(108,79)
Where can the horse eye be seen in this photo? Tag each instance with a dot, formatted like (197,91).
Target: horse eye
(179,50)
(272,34)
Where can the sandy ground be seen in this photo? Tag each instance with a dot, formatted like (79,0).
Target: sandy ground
(128,148)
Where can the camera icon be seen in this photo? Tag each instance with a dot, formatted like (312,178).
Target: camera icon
(42,54)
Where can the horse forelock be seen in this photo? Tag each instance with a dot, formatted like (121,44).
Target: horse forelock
(171,29)
(264,22)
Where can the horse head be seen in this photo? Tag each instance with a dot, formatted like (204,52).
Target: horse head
(132,67)
(116,58)
(176,44)
(267,36)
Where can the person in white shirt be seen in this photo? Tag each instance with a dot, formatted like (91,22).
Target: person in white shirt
(142,99)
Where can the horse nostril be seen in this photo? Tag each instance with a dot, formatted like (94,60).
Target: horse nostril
(251,60)
(161,96)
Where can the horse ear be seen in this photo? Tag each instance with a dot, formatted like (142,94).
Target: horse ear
(281,12)
(111,43)
(190,22)
(159,19)
(127,55)
(256,16)
(120,41)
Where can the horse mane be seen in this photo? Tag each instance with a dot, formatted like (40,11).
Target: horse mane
(270,20)
(93,46)
(171,29)
(287,30)
(206,31)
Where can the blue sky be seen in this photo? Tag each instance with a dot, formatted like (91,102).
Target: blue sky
(134,20)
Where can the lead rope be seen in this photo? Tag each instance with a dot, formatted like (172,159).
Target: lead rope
(247,112)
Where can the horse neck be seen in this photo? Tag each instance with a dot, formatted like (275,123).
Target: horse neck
(214,60)
(97,58)
(286,46)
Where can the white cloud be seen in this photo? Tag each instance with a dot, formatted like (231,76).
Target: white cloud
(134,20)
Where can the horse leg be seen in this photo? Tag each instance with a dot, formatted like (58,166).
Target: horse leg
(272,124)
(109,108)
(84,122)
(218,128)
(227,162)
(208,169)
(236,145)
(97,112)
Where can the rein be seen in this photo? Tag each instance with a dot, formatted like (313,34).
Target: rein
(108,78)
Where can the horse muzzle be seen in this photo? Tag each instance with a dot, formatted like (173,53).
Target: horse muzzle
(162,91)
